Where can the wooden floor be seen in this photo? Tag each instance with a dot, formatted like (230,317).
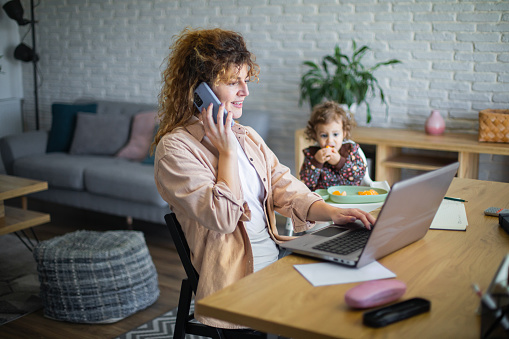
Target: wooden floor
(163,254)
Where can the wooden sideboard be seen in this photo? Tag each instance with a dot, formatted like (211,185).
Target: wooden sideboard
(391,157)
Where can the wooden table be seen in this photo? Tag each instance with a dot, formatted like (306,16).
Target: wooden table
(440,267)
(391,158)
(14,219)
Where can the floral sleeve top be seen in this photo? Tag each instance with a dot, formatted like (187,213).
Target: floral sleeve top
(349,171)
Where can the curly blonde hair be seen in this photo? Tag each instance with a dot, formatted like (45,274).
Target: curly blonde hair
(196,56)
(326,113)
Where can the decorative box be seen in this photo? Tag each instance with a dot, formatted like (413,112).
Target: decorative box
(494,125)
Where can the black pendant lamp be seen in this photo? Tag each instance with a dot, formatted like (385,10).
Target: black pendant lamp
(23,52)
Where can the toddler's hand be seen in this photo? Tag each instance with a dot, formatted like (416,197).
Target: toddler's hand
(327,154)
(334,157)
(322,155)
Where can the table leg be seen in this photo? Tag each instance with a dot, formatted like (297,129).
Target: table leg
(469,165)
(28,243)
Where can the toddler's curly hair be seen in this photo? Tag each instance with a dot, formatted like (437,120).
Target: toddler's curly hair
(326,113)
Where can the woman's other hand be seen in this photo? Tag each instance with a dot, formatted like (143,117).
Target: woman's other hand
(347,215)
(321,211)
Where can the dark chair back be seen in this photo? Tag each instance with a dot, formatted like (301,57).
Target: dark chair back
(184,322)
(182,248)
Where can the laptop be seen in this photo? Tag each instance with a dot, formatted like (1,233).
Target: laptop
(405,217)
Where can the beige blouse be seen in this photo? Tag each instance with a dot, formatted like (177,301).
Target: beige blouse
(212,214)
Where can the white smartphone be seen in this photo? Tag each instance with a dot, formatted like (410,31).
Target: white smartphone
(203,96)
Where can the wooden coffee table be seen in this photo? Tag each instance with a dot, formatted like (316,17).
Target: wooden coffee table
(14,219)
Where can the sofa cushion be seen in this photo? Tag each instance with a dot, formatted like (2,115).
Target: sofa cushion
(258,120)
(150,158)
(141,136)
(63,124)
(123,107)
(125,180)
(60,170)
(100,134)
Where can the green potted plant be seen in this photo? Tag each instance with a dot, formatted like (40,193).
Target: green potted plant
(349,83)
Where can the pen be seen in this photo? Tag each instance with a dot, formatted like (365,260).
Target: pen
(477,290)
(455,199)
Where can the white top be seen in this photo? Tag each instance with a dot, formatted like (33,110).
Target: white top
(265,251)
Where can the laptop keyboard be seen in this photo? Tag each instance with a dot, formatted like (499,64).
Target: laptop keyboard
(345,244)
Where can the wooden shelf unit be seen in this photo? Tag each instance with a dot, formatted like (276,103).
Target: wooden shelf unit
(390,157)
(417,162)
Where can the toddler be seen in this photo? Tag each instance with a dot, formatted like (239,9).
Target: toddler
(336,159)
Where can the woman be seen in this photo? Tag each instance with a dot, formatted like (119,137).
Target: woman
(222,181)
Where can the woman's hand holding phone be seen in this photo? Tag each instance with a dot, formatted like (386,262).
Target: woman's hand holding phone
(218,128)
(223,139)
(219,134)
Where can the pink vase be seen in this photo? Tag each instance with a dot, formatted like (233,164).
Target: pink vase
(435,124)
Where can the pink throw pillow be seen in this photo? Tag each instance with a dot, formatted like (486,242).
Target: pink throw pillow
(142,134)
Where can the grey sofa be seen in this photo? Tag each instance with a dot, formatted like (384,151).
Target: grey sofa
(100,183)
(95,182)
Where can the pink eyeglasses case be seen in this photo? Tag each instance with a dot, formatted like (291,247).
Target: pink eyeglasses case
(375,293)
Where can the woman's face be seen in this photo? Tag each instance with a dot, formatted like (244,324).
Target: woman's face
(233,93)
(330,134)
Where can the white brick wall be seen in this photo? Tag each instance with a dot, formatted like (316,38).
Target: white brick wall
(454,53)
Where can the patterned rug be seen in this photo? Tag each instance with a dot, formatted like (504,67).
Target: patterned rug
(19,282)
(160,327)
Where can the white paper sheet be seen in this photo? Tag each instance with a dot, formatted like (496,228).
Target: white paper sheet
(322,274)
(451,215)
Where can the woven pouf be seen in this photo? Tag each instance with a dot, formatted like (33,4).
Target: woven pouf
(95,277)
